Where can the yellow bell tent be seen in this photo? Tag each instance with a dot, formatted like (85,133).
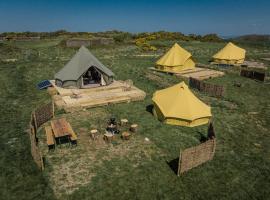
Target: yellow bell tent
(177,105)
(230,54)
(175,60)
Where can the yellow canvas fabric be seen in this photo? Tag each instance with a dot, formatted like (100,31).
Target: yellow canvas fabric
(230,54)
(182,122)
(176,59)
(179,106)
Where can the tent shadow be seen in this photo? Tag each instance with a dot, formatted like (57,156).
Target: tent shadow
(203,138)
(149,108)
(173,164)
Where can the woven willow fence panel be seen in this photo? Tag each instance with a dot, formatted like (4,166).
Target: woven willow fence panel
(43,114)
(38,117)
(211,89)
(195,156)
(259,76)
(35,151)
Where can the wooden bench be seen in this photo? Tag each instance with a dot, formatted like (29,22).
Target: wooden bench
(73,136)
(50,138)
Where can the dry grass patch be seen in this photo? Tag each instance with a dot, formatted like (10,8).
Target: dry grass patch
(69,167)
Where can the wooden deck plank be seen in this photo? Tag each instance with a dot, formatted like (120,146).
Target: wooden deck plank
(120,92)
(49,135)
(198,73)
(60,128)
(68,92)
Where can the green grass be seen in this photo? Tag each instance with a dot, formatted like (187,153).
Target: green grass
(240,169)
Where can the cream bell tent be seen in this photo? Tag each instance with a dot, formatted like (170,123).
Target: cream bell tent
(175,60)
(84,70)
(177,105)
(230,54)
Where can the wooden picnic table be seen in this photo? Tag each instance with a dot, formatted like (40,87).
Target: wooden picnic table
(61,128)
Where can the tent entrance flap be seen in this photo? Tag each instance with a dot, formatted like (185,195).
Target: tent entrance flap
(91,78)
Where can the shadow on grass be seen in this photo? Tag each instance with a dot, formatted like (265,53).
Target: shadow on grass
(173,164)
(149,108)
(203,138)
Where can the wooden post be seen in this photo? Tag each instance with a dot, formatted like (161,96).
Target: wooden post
(52,108)
(35,120)
(211,132)
(179,164)
(134,128)
(41,161)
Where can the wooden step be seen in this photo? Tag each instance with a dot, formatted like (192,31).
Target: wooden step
(106,102)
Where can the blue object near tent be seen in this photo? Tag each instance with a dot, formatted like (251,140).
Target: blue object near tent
(44,84)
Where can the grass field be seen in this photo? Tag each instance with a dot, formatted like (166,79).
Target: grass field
(133,169)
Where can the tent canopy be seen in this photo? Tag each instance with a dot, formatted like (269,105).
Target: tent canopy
(79,64)
(178,102)
(232,53)
(176,58)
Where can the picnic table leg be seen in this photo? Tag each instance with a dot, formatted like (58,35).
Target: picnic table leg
(60,142)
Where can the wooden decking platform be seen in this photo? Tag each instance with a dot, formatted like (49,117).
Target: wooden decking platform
(117,92)
(247,64)
(197,73)
(224,64)
(254,65)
